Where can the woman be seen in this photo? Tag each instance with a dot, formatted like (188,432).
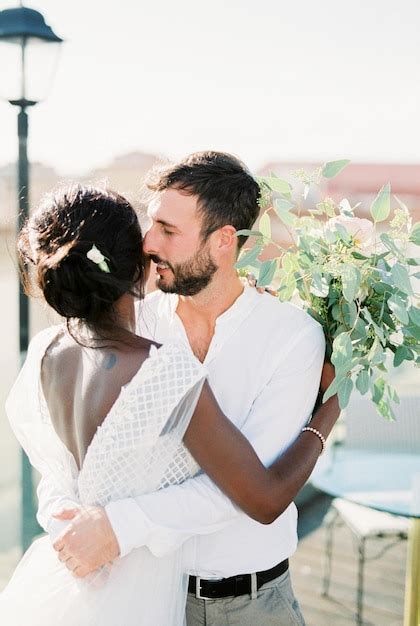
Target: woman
(108,415)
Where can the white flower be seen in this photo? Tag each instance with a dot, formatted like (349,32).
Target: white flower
(360,229)
(95,255)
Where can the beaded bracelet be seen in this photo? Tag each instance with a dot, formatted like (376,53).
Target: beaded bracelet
(318,434)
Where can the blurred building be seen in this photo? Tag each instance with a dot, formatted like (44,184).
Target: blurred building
(358,182)
(124,174)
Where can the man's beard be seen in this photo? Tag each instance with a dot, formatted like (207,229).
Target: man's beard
(189,277)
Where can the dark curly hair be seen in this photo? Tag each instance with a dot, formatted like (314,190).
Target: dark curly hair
(227,192)
(53,247)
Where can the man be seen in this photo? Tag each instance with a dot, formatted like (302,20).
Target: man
(264,360)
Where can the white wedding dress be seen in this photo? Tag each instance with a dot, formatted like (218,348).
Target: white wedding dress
(137,449)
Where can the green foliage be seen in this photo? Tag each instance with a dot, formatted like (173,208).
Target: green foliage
(381,206)
(356,283)
(249,258)
(265,226)
(350,278)
(333,168)
(266,274)
(415,234)
(276,184)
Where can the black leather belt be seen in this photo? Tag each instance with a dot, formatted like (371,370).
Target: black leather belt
(235,585)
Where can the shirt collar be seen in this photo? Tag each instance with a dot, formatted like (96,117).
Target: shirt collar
(242,306)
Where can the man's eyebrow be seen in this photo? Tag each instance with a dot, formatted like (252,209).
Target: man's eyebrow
(164,223)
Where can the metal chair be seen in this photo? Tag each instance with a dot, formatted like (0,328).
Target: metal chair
(365,430)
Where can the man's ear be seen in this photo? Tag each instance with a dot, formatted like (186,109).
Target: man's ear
(228,240)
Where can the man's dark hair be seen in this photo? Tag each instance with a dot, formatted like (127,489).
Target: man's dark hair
(227,192)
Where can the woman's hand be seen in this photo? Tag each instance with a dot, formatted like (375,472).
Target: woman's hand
(252,282)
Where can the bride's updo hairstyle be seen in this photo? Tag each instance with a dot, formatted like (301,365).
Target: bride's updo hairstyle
(60,250)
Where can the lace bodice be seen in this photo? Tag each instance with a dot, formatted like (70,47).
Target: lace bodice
(139,448)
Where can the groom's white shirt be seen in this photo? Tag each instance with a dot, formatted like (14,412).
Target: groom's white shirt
(264,365)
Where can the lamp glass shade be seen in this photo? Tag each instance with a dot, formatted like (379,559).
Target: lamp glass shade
(29,66)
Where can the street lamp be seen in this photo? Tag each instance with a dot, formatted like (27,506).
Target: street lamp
(28,52)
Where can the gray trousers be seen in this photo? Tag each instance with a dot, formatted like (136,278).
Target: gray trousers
(275,605)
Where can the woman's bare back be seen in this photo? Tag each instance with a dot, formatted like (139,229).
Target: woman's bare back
(81,384)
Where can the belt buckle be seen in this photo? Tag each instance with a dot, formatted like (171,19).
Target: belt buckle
(198,589)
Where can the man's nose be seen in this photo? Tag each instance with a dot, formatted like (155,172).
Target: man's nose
(149,242)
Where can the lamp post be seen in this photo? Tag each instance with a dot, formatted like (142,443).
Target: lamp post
(29,52)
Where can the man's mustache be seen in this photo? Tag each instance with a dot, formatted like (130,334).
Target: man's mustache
(157,260)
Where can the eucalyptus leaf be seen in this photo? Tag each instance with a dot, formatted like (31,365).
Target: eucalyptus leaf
(344,235)
(414,315)
(371,322)
(344,392)
(248,233)
(378,358)
(284,203)
(402,354)
(415,234)
(285,215)
(267,271)
(332,168)
(402,279)
(248,257)
(398,307)
(392,393)
(349,310)
(277,184)
(373,349)
(358,255)
(264,225)
(382,288)
(342,351)
(385,410)
(378,390)
(320,285)
(363,381)
(381,206)
(390,244)
(412,330)
(287,288)
(290,262)
(305,261)
(359,332)
(402,205)
(351,277)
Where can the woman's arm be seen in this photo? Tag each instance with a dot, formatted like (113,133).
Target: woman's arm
(225,454)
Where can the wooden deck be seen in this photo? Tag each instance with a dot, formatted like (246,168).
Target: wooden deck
(384,578)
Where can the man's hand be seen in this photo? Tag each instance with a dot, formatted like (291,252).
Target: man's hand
(88,542)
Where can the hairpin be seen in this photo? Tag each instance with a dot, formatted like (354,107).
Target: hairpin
(97,257)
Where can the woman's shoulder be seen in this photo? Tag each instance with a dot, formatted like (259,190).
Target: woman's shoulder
(40,342)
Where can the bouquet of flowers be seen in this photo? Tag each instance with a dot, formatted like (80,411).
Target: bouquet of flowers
(352,275)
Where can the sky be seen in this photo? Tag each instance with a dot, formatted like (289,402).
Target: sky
(267,80)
